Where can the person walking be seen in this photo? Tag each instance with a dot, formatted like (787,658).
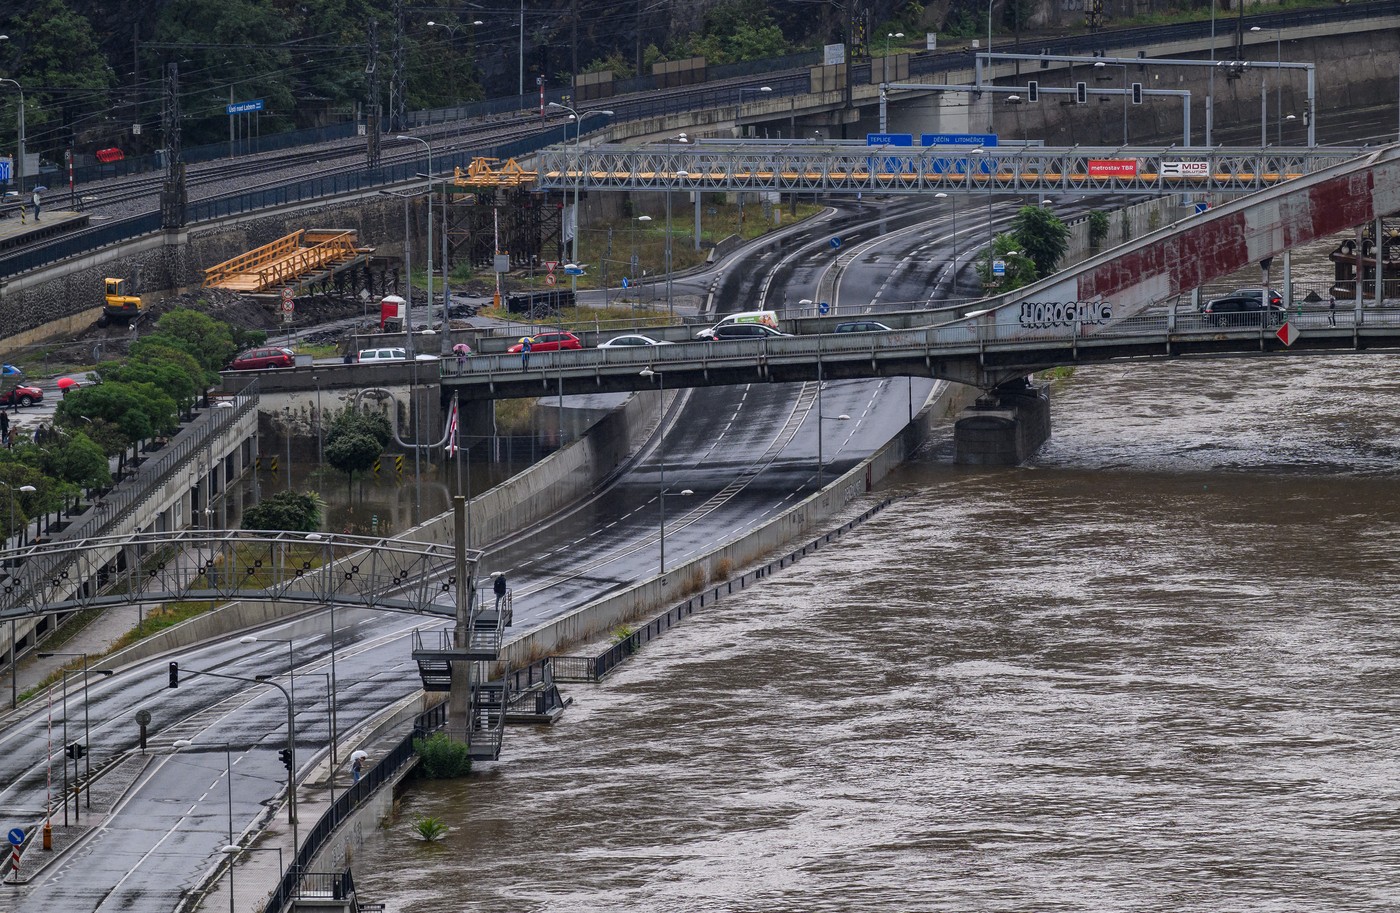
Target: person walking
(525,345)
(35,200)
(1331,310)
(357,767)
(500,589)
(4,428)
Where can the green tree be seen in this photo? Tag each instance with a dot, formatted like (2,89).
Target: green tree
(1020,268)
(183,388)
(352,452)
(80,462)
(735,30)
(15,475)
(1040,235)
(67,78)
(373,424)
(138,410)
(294,511)
(209,341)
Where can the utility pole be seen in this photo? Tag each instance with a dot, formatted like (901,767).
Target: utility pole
(172,196)
(372,114)
(396,83)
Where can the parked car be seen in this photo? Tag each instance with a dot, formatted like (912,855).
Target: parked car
(11,373)
(861,326)
(257,359)
(25,396)
(623,342)
(1258,295)
(744,331)
(550,342)
(374,356)
(1241,311)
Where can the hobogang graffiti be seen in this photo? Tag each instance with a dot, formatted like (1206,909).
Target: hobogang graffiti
(1041,314)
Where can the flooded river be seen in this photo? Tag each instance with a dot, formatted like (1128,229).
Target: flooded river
(1156,669)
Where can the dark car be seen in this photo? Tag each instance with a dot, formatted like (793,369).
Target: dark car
(744,331)
(25,396)
(1241,311)
(1258,295)
(550,342)
(861,326)
(257,359)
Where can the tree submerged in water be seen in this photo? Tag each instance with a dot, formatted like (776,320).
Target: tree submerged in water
(441,757)
(430,828)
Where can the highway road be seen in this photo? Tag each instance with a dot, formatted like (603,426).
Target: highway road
(746,454)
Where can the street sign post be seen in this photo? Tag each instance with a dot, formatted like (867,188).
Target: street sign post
(244,107)
(823,308)
(288,305)
(998,267)
(573,269)
(835,243)
(1287,334)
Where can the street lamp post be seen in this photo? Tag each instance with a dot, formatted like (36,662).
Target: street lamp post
(291,737)
(637,263)
(1278,45)
(889,35)
(821,436)
(662,493)
(19,165)
(943,196)
(291,658)
(14,673)
(1124,67)
(228,775)
(87,761)
(402,138)
(577,118)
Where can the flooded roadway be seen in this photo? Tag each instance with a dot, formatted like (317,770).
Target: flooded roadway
(1154,669)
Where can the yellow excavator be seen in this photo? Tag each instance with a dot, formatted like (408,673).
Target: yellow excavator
(119,306)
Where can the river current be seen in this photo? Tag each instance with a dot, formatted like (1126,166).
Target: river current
(1153,669)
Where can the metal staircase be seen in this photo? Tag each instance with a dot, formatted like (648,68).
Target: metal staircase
(436,653)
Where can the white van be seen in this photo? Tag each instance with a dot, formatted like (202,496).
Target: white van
(373,356)
(766,318)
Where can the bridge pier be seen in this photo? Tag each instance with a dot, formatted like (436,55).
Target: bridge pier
(1003,427)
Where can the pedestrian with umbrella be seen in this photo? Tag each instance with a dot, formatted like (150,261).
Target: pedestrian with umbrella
(462,350)
(525,343)
(35,199)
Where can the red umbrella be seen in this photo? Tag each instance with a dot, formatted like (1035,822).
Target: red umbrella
(65,383)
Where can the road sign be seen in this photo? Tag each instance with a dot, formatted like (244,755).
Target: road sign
(626,283)
(889,139)
(1287,334)
(550,264)
(244,107)
(16,836)
(1202,207)
(549,279)
(636,264)
(998,267)
(823,308)
(835,243)
(957,139)
(4,171)
(573,269)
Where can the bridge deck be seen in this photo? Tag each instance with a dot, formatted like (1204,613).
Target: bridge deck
(292,261)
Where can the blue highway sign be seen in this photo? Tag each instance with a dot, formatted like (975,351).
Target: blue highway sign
(957,139)
(889,139)
(835,243)
(823,308)
(244,107)
(5,171)
(16,836)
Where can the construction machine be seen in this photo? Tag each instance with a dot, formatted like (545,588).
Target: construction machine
(119,306)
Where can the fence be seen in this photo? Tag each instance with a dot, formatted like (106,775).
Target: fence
(294,881)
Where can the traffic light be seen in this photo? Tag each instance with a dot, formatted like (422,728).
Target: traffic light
(1032,91)
(1137,93)
(286,755)
(75,751)
(174,675)
(1081,97)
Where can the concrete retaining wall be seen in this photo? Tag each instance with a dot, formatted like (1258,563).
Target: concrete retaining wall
(594,620)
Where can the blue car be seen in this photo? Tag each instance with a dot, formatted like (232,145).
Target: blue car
(10,372)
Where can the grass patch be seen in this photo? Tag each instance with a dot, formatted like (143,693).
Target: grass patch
(167,615)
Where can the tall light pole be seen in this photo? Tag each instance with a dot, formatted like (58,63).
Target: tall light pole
(821,436)
(889,35)
(402,137)
(522,48)
(943,196)
(1124,67)
(14,673)
(637,263)
(1278,74)
(578,119)
(228,775)
(291,659)
(662,493)
(87,744)
(19,165)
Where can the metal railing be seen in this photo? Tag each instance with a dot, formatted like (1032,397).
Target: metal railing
(345,804)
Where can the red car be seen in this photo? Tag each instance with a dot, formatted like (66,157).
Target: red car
(550,342)
(25,396)
(256,359)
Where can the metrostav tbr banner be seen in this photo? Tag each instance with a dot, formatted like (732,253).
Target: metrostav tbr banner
(1112,168)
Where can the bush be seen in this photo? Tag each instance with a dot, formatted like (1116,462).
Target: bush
(1098,228)
(441,757)
(293,511)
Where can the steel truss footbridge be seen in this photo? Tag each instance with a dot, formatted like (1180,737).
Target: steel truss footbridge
(801,167)
(321,569)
